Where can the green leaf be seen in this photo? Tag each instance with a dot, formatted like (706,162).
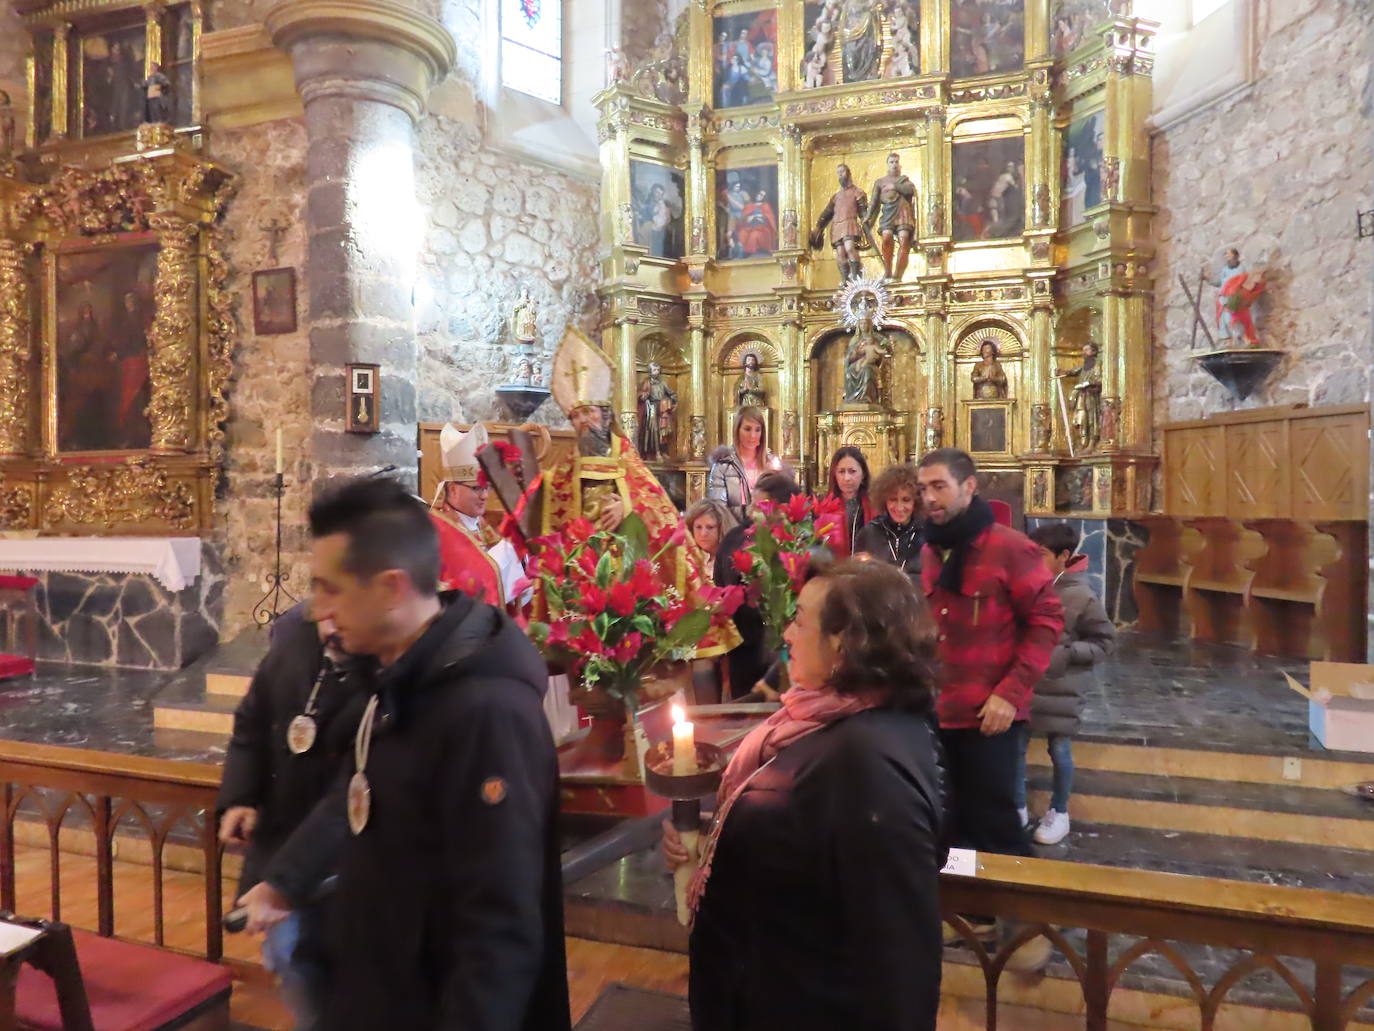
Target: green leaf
(601,625)
(636,536)
(690,629)
(644,624)
(604,568)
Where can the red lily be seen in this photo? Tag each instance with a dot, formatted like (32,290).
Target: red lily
(797,508)
(744,562)
(621,599)
(645,580)
(579,529)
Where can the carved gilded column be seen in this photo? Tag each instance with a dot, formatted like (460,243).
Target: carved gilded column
(16,351)
(60,81)
(696,343)
(172,341)
(152,54)
(625,374)
(936,214)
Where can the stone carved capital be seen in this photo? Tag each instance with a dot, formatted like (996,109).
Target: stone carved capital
(374,50)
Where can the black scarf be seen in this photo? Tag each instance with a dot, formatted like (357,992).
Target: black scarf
(955,536)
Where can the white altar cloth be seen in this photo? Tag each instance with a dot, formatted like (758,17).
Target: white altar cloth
(173,562)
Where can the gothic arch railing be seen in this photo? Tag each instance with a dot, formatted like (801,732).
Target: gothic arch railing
(170,803)
(1277,930)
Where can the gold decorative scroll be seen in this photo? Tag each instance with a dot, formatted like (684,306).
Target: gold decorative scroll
(16,350)
(16,507)
(172,339)
(136,491)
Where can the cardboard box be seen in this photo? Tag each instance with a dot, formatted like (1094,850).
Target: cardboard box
(1340,705)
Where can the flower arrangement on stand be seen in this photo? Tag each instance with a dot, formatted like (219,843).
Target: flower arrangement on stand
(773,560)
(615,618)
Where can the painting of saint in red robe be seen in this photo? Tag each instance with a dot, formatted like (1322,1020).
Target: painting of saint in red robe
(758,230)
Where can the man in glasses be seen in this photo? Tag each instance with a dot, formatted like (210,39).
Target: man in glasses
(461,501)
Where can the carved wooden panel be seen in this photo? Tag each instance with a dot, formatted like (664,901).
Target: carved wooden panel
(1289,462)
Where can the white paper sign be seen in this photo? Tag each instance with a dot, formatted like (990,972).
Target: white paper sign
(14,937)
(963,862)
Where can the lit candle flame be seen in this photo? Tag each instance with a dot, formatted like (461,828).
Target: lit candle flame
(776,463)
(679,716)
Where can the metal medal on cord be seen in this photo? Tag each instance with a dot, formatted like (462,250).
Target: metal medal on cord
(302,730)
(359,792)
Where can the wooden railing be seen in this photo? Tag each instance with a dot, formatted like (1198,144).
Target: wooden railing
(66,789)
(1270,925)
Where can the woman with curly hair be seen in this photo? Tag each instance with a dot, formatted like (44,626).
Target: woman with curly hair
(817,899)
(895,536)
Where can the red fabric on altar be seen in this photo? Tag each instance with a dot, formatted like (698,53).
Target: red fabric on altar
(15,666)
(17,583)
(130,987)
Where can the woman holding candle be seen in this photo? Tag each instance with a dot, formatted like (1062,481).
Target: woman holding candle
(817,898)
(735,471)
(895,536)
(849,485)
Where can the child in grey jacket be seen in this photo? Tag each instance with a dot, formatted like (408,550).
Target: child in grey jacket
(1089,637)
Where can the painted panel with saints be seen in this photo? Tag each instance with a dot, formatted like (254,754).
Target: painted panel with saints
(989,36)
(745,56)
(989,189)
(658,206)
(746,212)
(111,74)
(103,314)
(1082,178)
(1072,20)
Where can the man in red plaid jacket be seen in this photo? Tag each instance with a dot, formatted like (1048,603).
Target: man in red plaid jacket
(999,620)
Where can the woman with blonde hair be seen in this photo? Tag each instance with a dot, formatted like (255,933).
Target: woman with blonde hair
(736,468)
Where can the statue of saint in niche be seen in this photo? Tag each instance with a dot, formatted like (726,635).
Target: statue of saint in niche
(862,40)
(749,391)
(894,209)
(1086,405)
(863,360)
(524,319)
(657,401)
(989,378)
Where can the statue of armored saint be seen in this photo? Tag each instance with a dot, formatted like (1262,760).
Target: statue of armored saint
(894,209)
(845,217)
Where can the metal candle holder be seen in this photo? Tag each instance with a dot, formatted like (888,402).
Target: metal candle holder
(267,608)
(685,792)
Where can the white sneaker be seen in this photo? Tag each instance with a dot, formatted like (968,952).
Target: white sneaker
(1025,816)
(1054,826)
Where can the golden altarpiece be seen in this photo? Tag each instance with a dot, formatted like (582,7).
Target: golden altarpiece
(1019,327)
(115,325)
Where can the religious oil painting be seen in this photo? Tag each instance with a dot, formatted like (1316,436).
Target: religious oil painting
(104,312)
(746,212)
(989,37)
(658,204)
(745,55)
(111,76)
(987,430)
(1082,175)
(274,301)
(819,22)
(989,189)
(1072,20)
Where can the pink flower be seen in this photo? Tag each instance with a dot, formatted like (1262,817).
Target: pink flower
(797,508)
(795,564)
(725,600)
(628,648)
(558,634)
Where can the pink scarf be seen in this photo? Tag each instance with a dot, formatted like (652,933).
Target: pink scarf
(804,711)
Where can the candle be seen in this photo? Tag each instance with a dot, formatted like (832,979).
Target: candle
(279,465)
(684,745)
(776,463)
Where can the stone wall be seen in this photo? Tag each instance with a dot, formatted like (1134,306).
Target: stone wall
(1277,171)
(271,385)
(493,225)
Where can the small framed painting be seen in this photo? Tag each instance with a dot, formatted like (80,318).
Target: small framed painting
(274,301)
(364,391)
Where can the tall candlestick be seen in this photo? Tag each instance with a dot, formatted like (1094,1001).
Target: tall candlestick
(684,745)
(279,464)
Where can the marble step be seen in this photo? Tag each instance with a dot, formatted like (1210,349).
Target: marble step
(1267,812)
(201,699)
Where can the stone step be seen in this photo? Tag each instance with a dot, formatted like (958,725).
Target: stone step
(214,714)
(1266,812)
(202,698)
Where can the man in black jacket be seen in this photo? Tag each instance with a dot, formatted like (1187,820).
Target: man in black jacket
(291,731)
(448,909)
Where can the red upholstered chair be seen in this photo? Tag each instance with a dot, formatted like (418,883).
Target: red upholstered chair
(18,606)
(1001,511)
(131,988)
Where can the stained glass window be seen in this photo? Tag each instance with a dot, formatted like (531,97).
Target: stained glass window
(532,47)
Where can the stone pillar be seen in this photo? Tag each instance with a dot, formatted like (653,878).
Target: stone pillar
(363,71)
(172,341)
(16,351)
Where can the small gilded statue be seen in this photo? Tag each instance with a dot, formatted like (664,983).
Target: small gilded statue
(863,361)
(657,401)
(989,378)
(749,391)
(157,97)
(1086,405)
(524,319)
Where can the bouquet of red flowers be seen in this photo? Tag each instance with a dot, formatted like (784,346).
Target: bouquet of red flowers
(613,606)
(776,551)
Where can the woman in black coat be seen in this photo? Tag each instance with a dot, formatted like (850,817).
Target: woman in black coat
(895,536)
(817,901)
